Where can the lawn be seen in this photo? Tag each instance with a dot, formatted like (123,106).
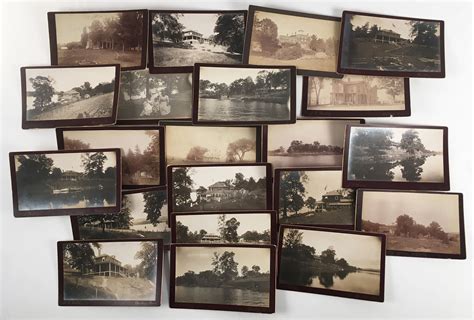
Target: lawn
(339,216)
(305,62)
(176,57)
(103,56)
(92,233)
(422,245)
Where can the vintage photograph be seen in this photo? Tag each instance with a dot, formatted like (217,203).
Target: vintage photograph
(222,228)
(144,214)
(349,264)
(223,277)
(278,37)
(356,95)
(420,224)
(219,187)
(142,162)
(99,37)
(389,45)
(183,38)
(415,155)
(55,96)
(126,273)
(244,94)
(187,144)
(313,197)
(65,182)
(146,97)
(307,143)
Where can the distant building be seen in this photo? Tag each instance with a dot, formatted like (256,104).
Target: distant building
(109,266)
(297,37)
(219,191)
(388,36)
(70,175)
(388,229)
(210,238)
(334,200)
(353,93)
(193,37)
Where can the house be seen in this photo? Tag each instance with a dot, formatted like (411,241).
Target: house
(109,266)
(70,175)
(334,200)
(353,93)
(210,238)
(388,229)
(388,36)
(297,37)
(219,191)
(193,37)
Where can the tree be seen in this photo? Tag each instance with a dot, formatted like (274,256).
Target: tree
(197,153)
(56,173)
(244,271)
(424,33)
(84,37)
(393,86)
(292,238)
(310,203)
(328,256)
(317,83)
(266,33)
(411,142)
(373,30)
(80,256)
(292,191)
(94,164)
(404,225)
(154,202)
(229,31)
(225,265)
(436,231)
(75,144)
(238,149)
(229,232)
(182,184)
(43,92)
(148,254)
(375,142)
(342,263)
(130,31)
(256,269)
(38,166)
(166,26)
(182,232)
(96,32)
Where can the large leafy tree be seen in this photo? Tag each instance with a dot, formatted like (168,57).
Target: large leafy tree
(411,142)
(266,33)
(148,254)
(130,29)
(393,86)
(229,31)
(80,256)
(93,164)
(182,184)
(292,192)
(238,149)
(424,33)
(154,202)
(328,256)
(38,166)
(166,26)
(43,92)
(310,203)
(229,231)
(225,266)
(404,225)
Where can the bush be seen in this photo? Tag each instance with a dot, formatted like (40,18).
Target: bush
(289,52)
(74,45)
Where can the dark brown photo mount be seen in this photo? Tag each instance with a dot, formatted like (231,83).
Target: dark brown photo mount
(248,36)
(161,132)
(401,74)
(53,45)
(197,68)
(224,307)
(398,185)
(29,124)
(272,213)
(76,233)
(72,211)
(462,236)
(276,198)
(330,292)
(134,303)
(265,132)
(181,69)
(269,184)
(362,113)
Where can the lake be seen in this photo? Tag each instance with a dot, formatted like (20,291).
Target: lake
(237,110)
(359,282)
(230,296)
(306,160)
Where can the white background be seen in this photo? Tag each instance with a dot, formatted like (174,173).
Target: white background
(415,287)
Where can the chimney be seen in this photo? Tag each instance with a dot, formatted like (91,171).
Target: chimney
(98,251)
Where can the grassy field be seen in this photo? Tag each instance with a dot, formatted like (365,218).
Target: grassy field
(339,216)
(169,57)
(103,56)
(93,233)
(422,245)
(305,62)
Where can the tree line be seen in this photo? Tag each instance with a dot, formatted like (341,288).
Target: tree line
(235,152)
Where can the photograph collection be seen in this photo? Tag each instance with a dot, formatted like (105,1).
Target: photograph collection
(179,135)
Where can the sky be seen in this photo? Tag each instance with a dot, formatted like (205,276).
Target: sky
(67,78)
(180,139)
(73,161)
(288,24)
(385,207)
(248,222)
(137,209)
(202,23)
(69,26)
(199,259)
(228,75)
(125,139)
(205,176)
(359,251)
(328,132)
(123,251)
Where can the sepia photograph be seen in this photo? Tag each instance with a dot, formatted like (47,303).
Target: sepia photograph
(315,197)
(146,98)
(307,143)
(141,146)
(144,214)
(188,144)
(49,183)
(416,223)
(223,277)
(399,157)
(182,38)
(374,44)
(307,41)
(257,227)
(69,96)
(99,37)
(342,263)
(355,95)
(221,187)
(110,272)
(232,94)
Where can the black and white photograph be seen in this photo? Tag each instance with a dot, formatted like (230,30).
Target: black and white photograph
(223,277)
(148,98)
(309,42)
(230,94)
(110,273)
(399,157)
(307,143)
(258,227)
(72,96)
(99,37)
(355,95)
(416,223)
(141,146)
(374,44)
(340,263)
(48,183)
(188,144)
(182,38)
(220,188)
(144,214)
(313,196)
